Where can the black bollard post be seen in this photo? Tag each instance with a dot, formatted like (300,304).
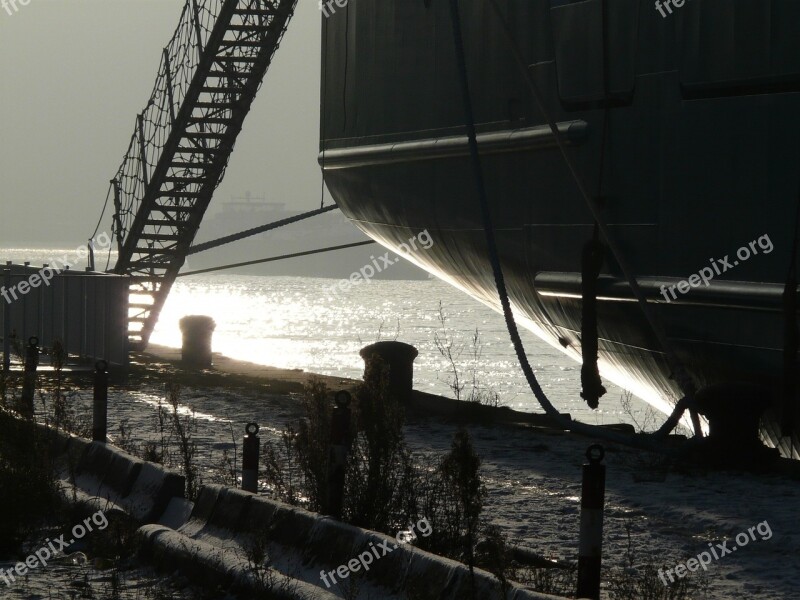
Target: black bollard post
(29,381)
(197,331)
(337,463)
(591,536)
(7,330)
(100,412)
(399,358)
(250,453)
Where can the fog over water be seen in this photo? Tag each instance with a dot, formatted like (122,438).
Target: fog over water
(73,76)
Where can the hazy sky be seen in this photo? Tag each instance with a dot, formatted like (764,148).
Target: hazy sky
(73,76)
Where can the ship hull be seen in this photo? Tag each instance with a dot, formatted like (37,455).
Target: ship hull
(690,142)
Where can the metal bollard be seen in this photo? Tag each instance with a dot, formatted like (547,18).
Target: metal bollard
(591,535)
(337,464)
(250,453)
(399,358)
(196,331)
(7,330)
(29,381)
(100,412)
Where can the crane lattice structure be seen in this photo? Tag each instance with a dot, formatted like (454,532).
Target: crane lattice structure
(209,75)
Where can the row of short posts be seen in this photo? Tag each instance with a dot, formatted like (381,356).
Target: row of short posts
(100,396)
(399,357)
(337,454)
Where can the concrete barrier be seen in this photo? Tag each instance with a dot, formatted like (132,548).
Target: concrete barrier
(207,563)
(214,544)
(152,491)
(60,442)
(101,477)
(232,519)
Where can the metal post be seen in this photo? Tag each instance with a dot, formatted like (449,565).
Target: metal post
(143,150)
(170,97)
(399,358)
(6,321)
(340,437)
(591,535)
(100,413)
(199,41)
(24,309)
(83,343)
(196,332)
(46,312)
(250,451)
(117,210)
(29,382)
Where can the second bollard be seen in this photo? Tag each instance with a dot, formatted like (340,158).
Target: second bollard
(250,454)
(196,331)
(399,358)
(591,535)
(100,404)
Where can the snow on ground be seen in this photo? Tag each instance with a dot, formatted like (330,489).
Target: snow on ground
(74,577)
(533,480)
(534,489)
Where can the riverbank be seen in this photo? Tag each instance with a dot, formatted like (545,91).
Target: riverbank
(656,514)
(229,371)
(273,380)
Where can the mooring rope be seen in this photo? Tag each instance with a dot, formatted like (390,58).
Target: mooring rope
(592,258)
(564,421)
(256,230)
(678,370)
(790,336)
(274,258)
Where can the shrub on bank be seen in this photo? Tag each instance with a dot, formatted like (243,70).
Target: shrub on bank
(386,486)
(27,482)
